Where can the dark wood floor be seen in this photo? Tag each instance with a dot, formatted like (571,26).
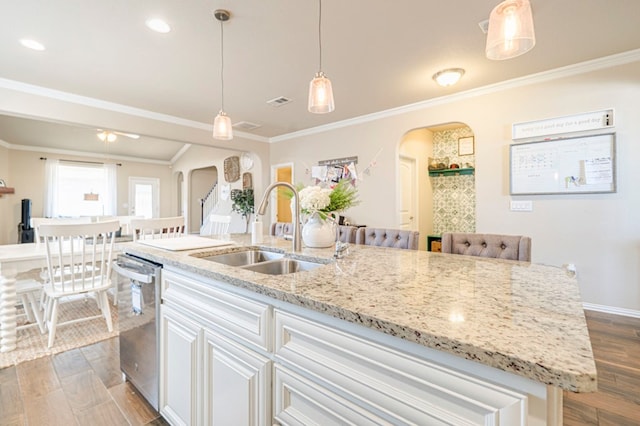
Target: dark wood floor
(79,387)
(616,348)
(85,387)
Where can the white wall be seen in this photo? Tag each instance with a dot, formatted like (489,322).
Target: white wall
(418,144)
(26,173)
(198,157)
(5,200)
(599,233)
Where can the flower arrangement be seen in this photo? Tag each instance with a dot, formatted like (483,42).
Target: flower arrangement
(322,200)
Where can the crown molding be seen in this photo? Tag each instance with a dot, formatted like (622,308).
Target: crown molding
(86,154)
(59,95)
(557,73)
(5,144)
(570,70)
(180,153)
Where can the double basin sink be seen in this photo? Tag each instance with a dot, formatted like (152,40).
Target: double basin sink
(263,261)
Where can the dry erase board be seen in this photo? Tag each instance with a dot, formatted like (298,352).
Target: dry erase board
(577,165)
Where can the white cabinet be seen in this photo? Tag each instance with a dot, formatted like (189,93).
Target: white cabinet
(207,377)
(180,359)
(299,401)
(237,388)
(398,387)
(232,357)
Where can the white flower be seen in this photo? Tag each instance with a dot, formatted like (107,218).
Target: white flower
(314,198)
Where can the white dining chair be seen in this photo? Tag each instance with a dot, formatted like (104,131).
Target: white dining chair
(29,291)
(78,262)
(218,225)
(37,221)
(164,227)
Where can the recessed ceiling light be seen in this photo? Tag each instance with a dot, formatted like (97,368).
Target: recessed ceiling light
(158,25)
(448,77)
(32,44)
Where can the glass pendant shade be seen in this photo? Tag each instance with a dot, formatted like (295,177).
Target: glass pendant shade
(222,127)
(320,95)
(511,30)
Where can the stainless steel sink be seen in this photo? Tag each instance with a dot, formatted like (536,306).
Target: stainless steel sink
(263,261)
(242,258)
(282,266)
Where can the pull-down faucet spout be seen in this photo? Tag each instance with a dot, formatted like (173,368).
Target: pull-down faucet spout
(297,241)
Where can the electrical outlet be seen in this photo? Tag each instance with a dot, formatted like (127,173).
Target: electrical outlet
(522,206)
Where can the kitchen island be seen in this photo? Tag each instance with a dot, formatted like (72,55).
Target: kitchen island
(382,335)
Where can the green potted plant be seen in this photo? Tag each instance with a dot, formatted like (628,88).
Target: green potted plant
(243,201)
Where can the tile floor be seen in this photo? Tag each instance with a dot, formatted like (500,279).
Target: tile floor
(82,386)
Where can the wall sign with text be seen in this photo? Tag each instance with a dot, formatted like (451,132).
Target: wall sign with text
(588,121)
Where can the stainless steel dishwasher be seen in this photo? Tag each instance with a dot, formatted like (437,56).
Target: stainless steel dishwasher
(138,320)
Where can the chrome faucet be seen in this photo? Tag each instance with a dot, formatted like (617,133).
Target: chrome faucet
(342,249)
(297,241)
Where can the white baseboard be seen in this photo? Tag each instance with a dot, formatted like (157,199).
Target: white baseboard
(611,310)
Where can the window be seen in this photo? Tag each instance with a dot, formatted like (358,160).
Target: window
(80,189)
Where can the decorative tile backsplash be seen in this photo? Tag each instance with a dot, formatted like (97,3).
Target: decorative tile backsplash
(454,197)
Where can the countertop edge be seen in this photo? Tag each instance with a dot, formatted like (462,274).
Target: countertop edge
(583,381)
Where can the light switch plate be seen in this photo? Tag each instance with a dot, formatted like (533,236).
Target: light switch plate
(522,206)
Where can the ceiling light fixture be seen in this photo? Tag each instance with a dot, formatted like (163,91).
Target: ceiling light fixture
(222,128)
(158,25)
(320,91)
(106,136)
(448,77)
(32,44)
(511,30)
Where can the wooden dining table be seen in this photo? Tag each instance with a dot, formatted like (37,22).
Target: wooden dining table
(14,259)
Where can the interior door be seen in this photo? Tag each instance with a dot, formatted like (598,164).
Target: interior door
(408,192)
(144,197)
(281,206)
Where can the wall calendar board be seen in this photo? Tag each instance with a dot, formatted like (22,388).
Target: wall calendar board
(577,165)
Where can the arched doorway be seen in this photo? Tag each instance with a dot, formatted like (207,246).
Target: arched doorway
(202,181)
(442,202)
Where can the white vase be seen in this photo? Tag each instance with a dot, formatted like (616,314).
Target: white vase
(318,232)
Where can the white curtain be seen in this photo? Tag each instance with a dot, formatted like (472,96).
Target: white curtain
(111,190)
(51,188)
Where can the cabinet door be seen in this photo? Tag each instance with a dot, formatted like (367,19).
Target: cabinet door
(180,352)
(237,388)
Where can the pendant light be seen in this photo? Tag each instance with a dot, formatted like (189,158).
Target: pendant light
(222,124)
(320,91)
(510,30)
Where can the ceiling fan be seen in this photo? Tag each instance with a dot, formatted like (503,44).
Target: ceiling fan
(112,135)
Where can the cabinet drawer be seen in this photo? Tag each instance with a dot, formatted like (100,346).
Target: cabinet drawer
(394,385)
(237,317)
(299,401)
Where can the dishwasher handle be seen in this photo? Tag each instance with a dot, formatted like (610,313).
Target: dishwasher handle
(132,274)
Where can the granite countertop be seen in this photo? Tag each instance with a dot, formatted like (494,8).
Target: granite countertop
(519,317)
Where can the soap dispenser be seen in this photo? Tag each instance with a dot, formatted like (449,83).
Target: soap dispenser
(256,231)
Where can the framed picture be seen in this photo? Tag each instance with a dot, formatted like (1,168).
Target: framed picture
(465,146)
(2,184)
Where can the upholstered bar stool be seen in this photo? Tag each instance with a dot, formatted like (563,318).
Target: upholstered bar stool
(514,247)
(382,237)
(280,229)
